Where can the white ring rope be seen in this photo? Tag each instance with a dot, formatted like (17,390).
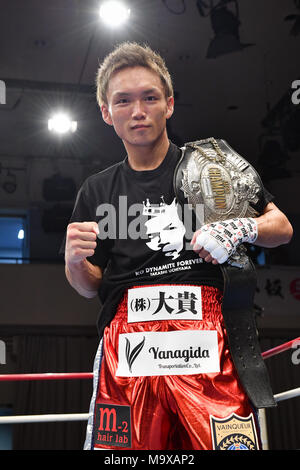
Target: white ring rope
(44,418)
(84,416)
(287,395)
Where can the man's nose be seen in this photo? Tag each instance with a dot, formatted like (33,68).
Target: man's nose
(138,111)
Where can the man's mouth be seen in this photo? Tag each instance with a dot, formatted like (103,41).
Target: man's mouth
(140,126)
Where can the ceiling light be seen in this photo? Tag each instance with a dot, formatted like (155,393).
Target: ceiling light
(114,13)
(61,124)
(21,234)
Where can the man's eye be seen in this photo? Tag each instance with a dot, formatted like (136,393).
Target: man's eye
(151,98)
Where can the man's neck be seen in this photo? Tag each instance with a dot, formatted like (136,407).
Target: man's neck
(141,158)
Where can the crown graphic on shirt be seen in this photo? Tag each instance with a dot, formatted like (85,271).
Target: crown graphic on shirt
(154,210)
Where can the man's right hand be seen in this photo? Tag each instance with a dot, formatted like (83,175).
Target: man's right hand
(80,241)
(80,244)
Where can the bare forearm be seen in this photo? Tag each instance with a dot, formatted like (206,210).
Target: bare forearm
(84,277)
(274,229)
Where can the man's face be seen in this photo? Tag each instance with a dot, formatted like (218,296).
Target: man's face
(137,106)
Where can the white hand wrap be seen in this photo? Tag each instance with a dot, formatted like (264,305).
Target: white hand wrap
(221,239)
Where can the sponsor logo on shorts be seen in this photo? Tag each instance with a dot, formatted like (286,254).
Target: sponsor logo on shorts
(234,433)
(112,425)
(164,303)
(168,353)
(132,355)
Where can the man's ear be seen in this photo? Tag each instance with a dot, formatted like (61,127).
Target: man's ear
(106,114)
(170,107)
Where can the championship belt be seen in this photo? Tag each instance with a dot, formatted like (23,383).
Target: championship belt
(219,185)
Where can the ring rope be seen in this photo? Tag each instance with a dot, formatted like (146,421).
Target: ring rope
(47,376)
(293,393)
(89,375)
(283,347)
(84,416)
(44,418)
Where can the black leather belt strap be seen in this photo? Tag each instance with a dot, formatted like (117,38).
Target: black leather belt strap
(238,314)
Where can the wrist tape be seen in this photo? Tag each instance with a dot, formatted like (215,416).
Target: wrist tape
(221,239)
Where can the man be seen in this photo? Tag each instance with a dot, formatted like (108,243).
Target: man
(164,375)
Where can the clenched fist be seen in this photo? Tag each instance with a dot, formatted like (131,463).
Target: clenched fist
(81,241)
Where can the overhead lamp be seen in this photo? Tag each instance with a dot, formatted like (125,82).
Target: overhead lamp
(114,13)
(21,234)
(225,24)
(61,123)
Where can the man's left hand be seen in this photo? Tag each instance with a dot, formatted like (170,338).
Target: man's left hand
(217,241)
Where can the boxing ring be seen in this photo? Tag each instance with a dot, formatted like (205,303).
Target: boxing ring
(55,417)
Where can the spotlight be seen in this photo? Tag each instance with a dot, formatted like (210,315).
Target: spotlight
(61,124)
(114,13)
(226,25)
(21,234)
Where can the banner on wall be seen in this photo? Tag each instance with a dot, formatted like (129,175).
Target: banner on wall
(278,290)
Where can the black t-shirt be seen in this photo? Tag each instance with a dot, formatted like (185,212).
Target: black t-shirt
(144,232)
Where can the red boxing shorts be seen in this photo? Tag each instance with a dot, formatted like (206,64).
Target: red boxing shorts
(167,380)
